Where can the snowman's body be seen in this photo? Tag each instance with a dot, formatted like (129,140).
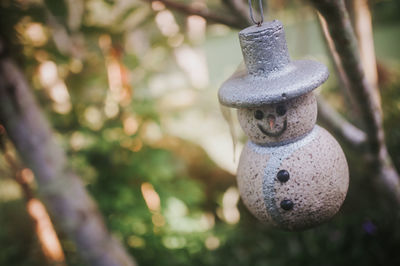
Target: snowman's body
(292,174)
(317,184)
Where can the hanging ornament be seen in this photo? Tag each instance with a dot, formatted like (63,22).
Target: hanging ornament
(292,174)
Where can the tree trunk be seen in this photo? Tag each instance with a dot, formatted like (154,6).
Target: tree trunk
(73,210)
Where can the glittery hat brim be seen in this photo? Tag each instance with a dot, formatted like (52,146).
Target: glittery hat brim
(242,90)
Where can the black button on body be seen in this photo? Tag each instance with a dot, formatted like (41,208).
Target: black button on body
(287,204)
(283,176)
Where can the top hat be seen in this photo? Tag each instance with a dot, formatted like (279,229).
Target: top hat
(269,76)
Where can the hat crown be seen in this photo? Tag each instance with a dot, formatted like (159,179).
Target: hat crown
(268,75)
(264,48)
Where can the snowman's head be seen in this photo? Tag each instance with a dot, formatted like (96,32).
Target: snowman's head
(280,122)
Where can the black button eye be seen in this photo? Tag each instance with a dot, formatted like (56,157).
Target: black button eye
(281,110)
(258,114)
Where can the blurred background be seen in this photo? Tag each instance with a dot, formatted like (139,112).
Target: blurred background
(131,89)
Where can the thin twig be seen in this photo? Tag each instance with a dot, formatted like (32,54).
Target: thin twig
(65,43)
(46,234)
(16,171)
(240,9)
(203,12)
(343,82)
(363,29)
(343,129)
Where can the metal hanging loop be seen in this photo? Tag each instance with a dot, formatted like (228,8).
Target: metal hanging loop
(261,13)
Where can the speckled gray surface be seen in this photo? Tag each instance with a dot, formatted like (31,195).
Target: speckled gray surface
(317,185)
(269,76)
(281,123)
(250,176)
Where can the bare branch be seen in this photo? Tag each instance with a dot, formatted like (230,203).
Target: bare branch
(363,29)
(203,12)
(62,191)
(343,129)
(16,169)
(345,44)
(46,234)
(240,9)
(364,95)
(65,43)
(344,83)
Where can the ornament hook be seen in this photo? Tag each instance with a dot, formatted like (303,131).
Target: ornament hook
(261,13)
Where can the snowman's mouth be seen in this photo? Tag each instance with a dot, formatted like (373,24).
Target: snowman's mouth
(273,134)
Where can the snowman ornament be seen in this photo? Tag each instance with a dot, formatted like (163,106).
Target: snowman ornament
(292,174)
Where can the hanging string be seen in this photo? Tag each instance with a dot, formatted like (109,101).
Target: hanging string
(261,13)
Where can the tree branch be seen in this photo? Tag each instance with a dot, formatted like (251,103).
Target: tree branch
(351,135)
(343,82)
(363,29)
(62,191)
(345,44)
(202,12)
(241,10)
(66,44)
